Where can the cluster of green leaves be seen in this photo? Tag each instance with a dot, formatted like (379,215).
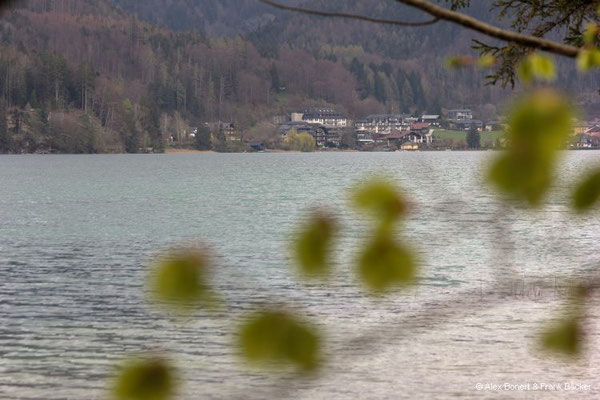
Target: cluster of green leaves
(270,336)
(484,61)
(274,337)
(587,192)
(180,280)
(312,247)
(589,56)
(146,378)
(540,125)
(565,336)
(385,262)
(537,65)
(540,18)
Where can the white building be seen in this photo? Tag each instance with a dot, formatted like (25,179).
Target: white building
(460,114)
(383,123)
(323,116)
(433,120)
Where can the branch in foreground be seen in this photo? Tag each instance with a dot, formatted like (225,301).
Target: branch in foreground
(491,30)
(349,16)
(442,13)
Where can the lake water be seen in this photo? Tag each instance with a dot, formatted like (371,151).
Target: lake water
(77,232)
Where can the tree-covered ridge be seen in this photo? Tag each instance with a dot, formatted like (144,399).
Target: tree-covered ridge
(137,82)
(63,63)
(222,18)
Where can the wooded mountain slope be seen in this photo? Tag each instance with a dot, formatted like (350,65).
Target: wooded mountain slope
(89,76)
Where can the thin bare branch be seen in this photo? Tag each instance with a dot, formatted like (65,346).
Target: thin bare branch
(349,16)
(491,30)
(442,13)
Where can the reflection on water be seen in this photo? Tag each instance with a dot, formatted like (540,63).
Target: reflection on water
(77,231)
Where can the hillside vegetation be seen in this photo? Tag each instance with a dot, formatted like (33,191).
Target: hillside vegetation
(91,76)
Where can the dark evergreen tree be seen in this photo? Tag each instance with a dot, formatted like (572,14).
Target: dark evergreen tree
(275,84)
(5,136)
(220,140)
(203,139)
(151,125)
(380,87)
(348,139)
(436,108)
(358,69)
(414,80)
(473,138)
(130,131)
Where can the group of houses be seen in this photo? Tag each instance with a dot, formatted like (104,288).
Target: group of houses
(401,131)
(587,135)
(379,130)
(227,128)
(325,125)
(393,130)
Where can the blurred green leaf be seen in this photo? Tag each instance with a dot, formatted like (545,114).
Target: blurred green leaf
(587,192)
(486,61)
(456,62)
(279,337)
(539,126)
(149,379)
(564,337)
(525,71)
(590,33)
(538,66)
(385,264)
(588,58)
(312,248)
(180,279)
(381,198)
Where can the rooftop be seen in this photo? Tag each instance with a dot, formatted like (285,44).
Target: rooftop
(321,113)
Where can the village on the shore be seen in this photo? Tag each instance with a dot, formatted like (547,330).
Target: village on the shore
(331,130)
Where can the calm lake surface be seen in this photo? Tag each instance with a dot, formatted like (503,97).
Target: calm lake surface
(77,234)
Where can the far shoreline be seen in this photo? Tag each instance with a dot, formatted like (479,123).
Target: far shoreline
(187,151)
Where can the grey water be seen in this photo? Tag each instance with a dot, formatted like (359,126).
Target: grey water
(77,234)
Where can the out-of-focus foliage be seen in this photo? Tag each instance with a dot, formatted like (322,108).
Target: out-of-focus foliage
(564,337)
(589,56)
(145,379)
(386,264)
(587,193)
(537,66)
(278,337)
(590,34)
(548,19)
(484,61)
(539,125)
(312,247)
(180,279)
(380,198)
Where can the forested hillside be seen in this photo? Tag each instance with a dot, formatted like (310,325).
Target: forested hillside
(217,18)
(89,76)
